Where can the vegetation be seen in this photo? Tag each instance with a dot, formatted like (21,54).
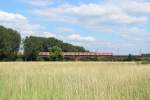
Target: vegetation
(10,41)
(74,81)
(9,44)
(33,45)
(56,54)
(146,62)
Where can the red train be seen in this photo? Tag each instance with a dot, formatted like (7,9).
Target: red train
(70,54)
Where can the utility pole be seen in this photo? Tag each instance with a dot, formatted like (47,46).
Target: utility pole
(118,51)
(140,52)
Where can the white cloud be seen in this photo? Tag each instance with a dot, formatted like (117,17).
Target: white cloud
(19,23)
(91,13)
(137,6)
(22,25)
(9,17)
(48,34)
(79,38)
(39,3)
(125,19)
(64,30)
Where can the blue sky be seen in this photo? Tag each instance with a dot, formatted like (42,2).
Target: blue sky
(118,26)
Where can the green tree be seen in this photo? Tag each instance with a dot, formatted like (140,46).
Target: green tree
(9,44)
(129,57)
(56,54)
(33,45)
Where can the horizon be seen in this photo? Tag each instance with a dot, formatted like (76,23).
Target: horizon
(97,25)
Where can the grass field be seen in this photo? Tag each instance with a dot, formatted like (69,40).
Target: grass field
(74,81)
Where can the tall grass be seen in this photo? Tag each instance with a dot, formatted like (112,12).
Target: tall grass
(74,81)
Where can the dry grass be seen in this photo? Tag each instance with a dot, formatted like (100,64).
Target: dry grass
(74,81)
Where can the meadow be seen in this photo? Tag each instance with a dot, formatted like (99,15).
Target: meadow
(74,81)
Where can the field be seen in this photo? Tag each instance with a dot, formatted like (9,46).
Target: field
(74,81)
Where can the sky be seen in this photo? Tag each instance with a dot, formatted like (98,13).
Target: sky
(118,26)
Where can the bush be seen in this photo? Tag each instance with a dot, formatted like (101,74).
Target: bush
(145,62)
(56,54)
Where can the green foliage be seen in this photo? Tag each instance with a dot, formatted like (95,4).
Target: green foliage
(89,59)
(128,58)
(56,54)
(145,62)
(9,44)
(33,45)
(19,58)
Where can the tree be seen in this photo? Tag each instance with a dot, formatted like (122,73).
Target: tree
(129,57)
(9,44)
(33,45)
(56,54)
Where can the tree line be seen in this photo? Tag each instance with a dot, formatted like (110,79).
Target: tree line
(10,42)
